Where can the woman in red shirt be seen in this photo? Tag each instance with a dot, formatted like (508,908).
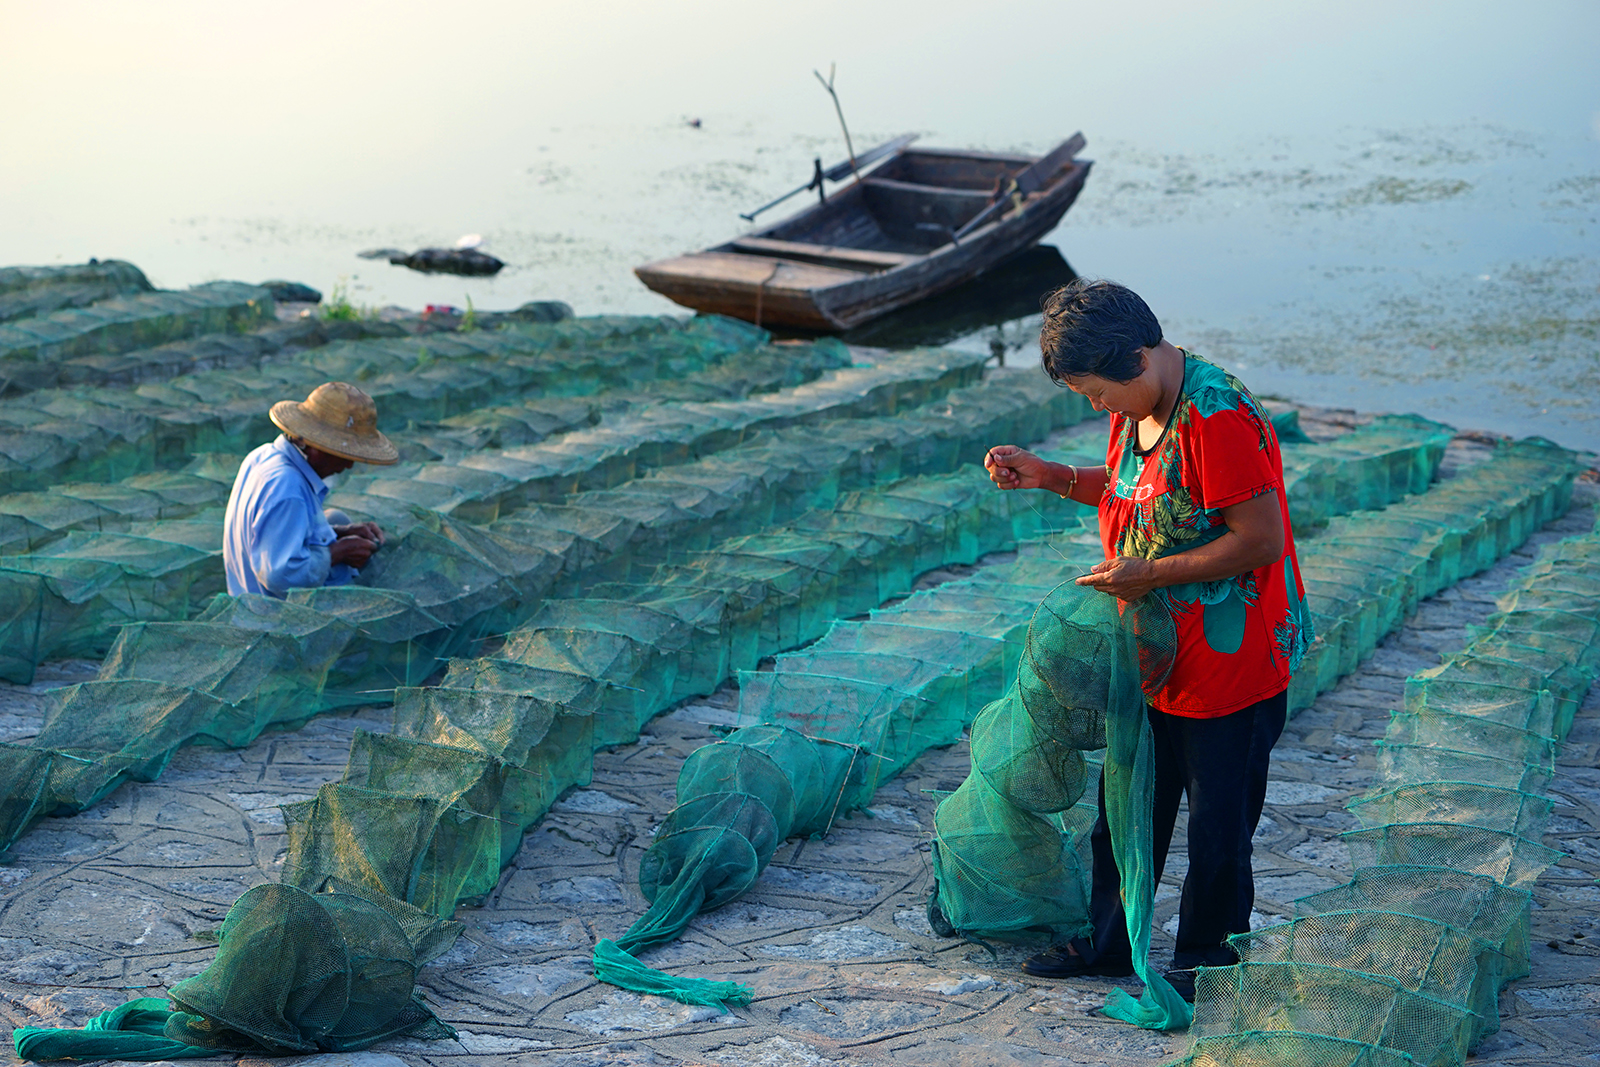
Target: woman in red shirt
(1191,502)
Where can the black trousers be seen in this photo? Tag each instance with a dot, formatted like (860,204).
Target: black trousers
(1221,764)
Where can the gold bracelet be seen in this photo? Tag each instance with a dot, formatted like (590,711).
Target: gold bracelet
(1072,484)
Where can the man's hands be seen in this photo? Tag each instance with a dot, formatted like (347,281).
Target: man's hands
(356,544)
(1011,467)
(367,530)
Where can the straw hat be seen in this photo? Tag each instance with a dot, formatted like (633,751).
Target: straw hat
(340,420)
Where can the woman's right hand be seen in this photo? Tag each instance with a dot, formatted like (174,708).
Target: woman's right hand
(1011,467)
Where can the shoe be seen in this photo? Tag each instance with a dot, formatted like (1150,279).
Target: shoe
(1183,982)
(1065,960)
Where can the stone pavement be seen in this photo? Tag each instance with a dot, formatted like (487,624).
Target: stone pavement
(125,899)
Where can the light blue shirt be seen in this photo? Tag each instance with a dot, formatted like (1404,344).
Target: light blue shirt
(277,538)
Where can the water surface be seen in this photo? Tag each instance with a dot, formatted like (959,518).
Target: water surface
(1385,206)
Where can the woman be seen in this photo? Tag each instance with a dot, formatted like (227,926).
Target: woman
(1191,502)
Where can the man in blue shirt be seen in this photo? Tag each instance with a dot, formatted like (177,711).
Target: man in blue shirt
(278,537)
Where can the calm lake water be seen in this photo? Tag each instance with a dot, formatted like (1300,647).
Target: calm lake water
(1378,205)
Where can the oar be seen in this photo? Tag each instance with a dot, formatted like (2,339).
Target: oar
(1031,180)
(838,172)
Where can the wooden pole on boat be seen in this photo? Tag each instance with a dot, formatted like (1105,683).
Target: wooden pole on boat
(828,85)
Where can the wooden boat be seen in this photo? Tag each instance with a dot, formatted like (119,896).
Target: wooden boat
(919,222)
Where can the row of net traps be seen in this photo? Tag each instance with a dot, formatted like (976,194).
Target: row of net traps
(506,716)
(68,597)
(104,434)
(121,322)
(31,292)
(504,458)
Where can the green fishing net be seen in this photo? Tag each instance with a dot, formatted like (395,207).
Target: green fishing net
(295,972)
(1081,686)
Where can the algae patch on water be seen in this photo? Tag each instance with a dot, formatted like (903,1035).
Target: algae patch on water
(1392,190)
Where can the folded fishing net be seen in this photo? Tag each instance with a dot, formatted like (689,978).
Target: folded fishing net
(296,972)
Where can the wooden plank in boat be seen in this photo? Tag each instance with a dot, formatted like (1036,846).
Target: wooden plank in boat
(857,259)
(750,270)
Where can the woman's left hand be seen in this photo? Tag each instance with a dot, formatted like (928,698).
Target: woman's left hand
(1125,577)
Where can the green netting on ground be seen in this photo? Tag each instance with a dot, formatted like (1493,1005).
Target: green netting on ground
(1370,467)
(104,434)
(295,972)
(134,320)
(1424,955)
(1374,1009)
(1438,903)
(81,619)
(29,291)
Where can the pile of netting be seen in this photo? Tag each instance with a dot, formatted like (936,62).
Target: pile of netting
(1405,963)
(295,972)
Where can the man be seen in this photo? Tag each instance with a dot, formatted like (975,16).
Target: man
(1192,508)
(278,537)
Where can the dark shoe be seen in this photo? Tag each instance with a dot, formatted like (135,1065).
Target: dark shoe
(1183,982)
(1065,960)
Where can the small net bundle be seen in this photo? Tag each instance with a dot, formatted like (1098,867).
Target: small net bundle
(295,972)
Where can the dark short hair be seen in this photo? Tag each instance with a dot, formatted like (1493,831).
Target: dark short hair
(1096,327)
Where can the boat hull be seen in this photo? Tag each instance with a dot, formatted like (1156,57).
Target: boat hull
(827,292)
